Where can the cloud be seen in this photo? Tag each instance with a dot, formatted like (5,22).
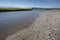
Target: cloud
(14,5)
(8,5)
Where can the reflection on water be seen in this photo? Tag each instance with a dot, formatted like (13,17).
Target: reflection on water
(10,22)
(18,18)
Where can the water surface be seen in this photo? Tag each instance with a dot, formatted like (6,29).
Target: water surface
(9,20)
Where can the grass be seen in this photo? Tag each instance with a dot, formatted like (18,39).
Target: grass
(26,9)
(14,9)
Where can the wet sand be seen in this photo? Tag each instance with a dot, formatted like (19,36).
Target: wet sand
(45,27)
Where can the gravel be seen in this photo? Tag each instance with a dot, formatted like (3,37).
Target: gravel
(45,27)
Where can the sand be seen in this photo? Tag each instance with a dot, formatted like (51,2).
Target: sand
(45,27)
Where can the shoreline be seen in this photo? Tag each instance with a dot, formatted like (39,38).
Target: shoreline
(41,28)
(15,10)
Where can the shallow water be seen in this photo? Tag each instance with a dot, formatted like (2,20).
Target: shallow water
(16,19)
(11,22)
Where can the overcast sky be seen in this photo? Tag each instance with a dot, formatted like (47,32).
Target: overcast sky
(30,3)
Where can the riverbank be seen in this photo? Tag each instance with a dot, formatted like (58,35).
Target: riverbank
(45,27)
(25,9)
(14,9)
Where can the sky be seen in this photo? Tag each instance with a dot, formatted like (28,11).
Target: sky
(30,3)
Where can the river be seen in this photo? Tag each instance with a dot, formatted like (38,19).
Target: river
(16,20)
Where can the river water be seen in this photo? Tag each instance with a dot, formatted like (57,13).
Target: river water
(15,19)
(11,22)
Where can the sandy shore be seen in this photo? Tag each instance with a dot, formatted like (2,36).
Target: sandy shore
(45,27)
